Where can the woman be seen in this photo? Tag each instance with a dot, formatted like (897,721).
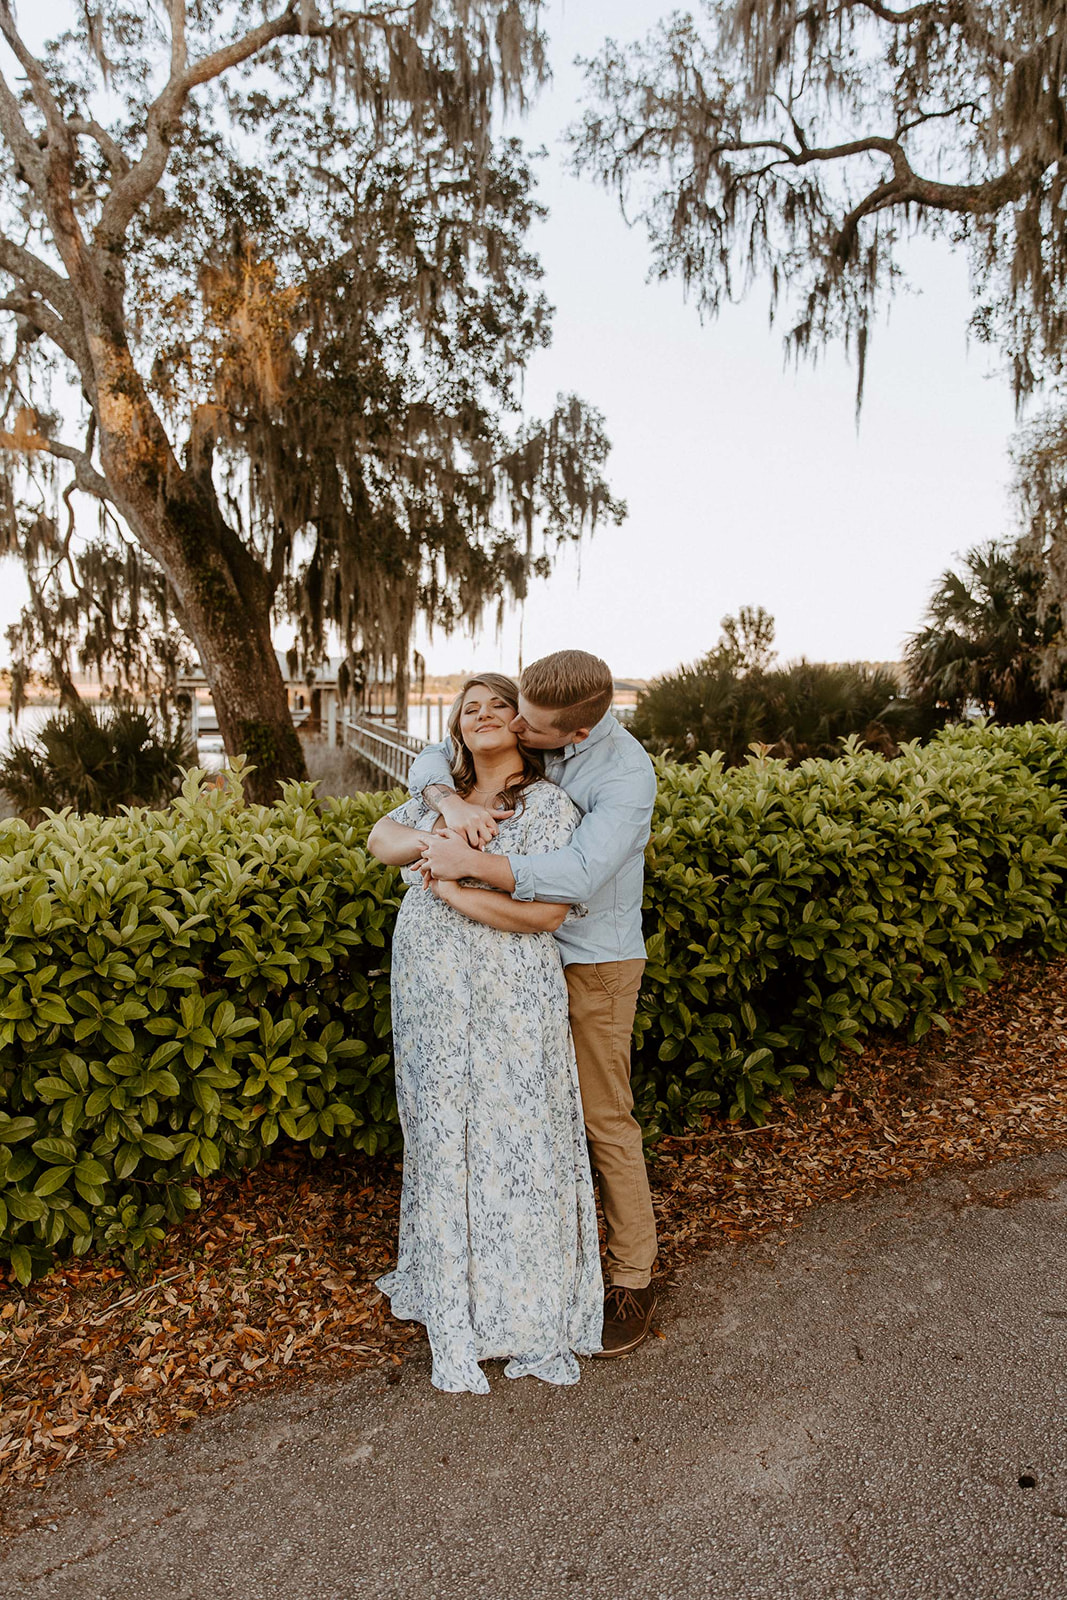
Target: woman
(498,1251)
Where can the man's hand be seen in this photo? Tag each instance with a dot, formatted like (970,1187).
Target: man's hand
(476,824)
(448,855)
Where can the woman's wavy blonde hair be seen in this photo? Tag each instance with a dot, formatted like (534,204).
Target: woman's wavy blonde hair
(532,762)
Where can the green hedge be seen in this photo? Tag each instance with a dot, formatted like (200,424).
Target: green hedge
(181,988)
(178,990)
(789,912)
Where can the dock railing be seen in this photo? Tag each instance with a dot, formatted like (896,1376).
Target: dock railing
(389,750)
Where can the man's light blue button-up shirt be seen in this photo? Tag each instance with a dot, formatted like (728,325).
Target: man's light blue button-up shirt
(610,777)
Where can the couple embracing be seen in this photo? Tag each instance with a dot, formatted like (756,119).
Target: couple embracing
(516,964)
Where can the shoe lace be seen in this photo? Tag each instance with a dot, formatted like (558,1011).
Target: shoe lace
(622,1304)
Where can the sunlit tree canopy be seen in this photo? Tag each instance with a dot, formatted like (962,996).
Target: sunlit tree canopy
(269,301)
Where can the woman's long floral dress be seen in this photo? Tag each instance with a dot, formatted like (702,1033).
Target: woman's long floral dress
(498,1252)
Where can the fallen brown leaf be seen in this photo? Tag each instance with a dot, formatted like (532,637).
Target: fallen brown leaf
(273,1280)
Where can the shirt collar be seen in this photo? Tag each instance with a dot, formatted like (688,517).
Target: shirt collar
(601,731)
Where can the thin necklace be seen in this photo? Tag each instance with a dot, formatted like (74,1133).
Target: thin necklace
(486,794)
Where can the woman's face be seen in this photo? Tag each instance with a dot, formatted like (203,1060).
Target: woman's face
(483,721)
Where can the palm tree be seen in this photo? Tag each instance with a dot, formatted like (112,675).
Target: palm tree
(811,706)
(731,699)
(983,638)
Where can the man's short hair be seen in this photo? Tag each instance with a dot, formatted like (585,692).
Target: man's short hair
(574,685)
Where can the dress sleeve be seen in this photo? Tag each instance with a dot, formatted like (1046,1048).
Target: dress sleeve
(550,818)
(412,814)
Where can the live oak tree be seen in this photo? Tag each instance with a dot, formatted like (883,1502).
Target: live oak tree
(280,256)
(747,640)
(802,141)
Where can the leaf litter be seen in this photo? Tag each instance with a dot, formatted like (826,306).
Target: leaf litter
(272,1281)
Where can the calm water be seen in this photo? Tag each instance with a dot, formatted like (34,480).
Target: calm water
(428,721)
(210,753)
(423,720)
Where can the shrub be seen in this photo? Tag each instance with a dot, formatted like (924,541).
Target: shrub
(95,762)
(790,911)
(180,989)
(703,707)
(811,707)
(805,709)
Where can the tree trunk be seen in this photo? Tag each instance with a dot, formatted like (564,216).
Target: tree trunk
(402,656)
(402,686)
(225,598)
(222,588)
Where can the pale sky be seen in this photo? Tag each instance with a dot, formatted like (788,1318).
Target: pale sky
(747,482)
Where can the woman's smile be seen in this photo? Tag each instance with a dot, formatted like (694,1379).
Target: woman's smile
(485,718)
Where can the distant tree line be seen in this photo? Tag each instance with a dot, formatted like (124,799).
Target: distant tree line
(796,149)
(989,646)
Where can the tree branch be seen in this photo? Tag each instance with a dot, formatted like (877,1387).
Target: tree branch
(821,16)
(134,186)
(881,199)
(919,13)
(924,117)
(906,186)
(967,199)
(113,153)
(86,476)
(818,17)
(44,319)
(39,86)
(288,23)
(139,181)
(935,10)
(20,141)
(39,277)
(64,552)
(282,26)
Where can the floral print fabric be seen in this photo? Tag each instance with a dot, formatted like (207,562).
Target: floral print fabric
(498,1253)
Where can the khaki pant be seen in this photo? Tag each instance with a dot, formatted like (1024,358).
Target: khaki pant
(603,998)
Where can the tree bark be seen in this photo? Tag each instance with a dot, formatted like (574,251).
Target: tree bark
(402,689)
(226,602)
(402,657)
(222,588)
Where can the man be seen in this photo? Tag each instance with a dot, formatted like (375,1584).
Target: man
(565,710)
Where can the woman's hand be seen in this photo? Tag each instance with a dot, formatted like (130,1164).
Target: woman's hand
(396,844)
(448,855)
(498,910)
(476,825)
(444,889)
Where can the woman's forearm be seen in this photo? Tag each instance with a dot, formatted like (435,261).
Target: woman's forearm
(394,844)
(500,911)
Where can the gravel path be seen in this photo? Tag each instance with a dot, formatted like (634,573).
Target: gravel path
(874,1405)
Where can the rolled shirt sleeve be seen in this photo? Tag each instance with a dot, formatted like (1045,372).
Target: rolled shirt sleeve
(615,827)
(431,765)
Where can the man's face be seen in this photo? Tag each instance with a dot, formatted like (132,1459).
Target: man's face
(534,725)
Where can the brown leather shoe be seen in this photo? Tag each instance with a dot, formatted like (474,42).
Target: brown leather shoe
(627,1319)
